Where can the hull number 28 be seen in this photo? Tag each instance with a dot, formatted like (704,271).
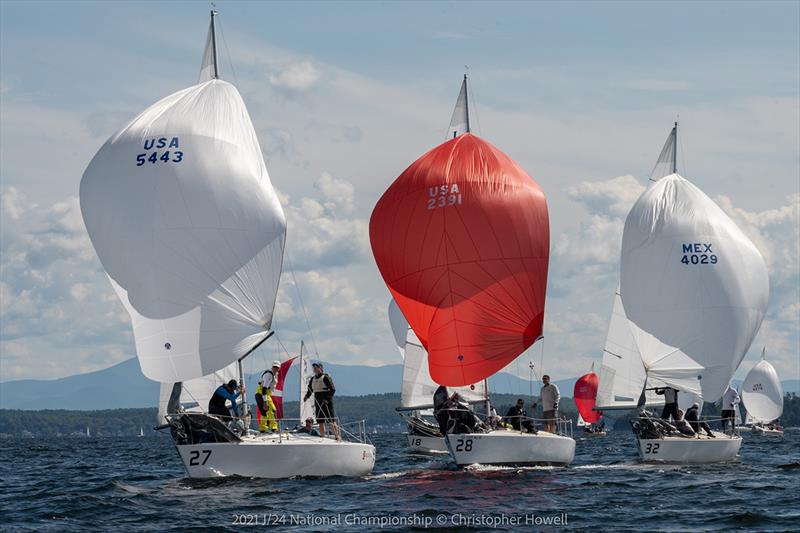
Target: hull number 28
(464,445)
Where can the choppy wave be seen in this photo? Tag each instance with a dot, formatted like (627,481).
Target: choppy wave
(138,484)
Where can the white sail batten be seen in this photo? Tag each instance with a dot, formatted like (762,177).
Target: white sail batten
(181,211)
(622,374)
(693,284)
(762,393)
(459,122)
(193,395)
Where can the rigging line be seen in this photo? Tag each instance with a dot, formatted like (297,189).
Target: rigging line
(474,107)
(683,154)
(228,53)
(302,305)
(282,346)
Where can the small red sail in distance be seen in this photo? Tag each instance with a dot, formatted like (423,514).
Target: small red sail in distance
(462,240)
(584,395)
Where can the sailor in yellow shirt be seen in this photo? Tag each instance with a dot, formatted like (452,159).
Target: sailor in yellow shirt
(266,407)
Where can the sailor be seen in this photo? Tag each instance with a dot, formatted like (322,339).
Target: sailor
(692,416)
(681,424)
(321,386)
(670,402)
(549,396)
(266,407)
(229,391)
(730,402)
(308,427)
(517,417)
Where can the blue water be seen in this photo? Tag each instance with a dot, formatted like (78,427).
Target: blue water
(138,484)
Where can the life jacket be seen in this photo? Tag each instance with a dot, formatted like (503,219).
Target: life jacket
(319,385)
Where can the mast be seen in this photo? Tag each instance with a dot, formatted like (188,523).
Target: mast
(300,388)
(245,406)
(674,152)
(466,102)
(214,13)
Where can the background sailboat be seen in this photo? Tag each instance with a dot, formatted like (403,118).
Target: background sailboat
(694,290)
(181,211)
(762,395)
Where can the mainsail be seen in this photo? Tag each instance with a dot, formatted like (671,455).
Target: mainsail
(622,374)
(693,285)
(399,327)
(762,393)
(181,211)
(462,240)
(459,122)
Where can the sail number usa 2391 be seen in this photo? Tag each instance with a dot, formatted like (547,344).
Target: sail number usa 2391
(698,253)
(160,150)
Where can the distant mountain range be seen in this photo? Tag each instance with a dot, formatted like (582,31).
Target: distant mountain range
(124,386)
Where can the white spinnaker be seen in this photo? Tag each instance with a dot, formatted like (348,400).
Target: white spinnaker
(194,394)
(181,211)
(693,284)
(762,393)
(622,374)
(459,122)
(418,386)
(399,326)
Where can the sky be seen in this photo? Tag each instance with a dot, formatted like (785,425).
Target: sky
(344,96)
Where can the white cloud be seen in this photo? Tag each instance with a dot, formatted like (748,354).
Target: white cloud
(296,77)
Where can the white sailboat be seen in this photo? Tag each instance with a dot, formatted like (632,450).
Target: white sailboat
(181,211)
(141,431)
(693,293)
(416,394)
(762,395)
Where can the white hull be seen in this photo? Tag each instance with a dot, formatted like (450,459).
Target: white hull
(426,445)
(689,450)
(503,447)
(758,430)
(276,458)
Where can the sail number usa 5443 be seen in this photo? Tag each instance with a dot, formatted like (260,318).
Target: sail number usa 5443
(160,150)
(698,253)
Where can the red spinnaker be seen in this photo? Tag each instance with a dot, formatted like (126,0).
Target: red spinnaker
(462,240)
(584,395)
(277,394)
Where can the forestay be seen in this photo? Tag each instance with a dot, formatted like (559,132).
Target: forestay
(694,286)
(762,393)
(181,211)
